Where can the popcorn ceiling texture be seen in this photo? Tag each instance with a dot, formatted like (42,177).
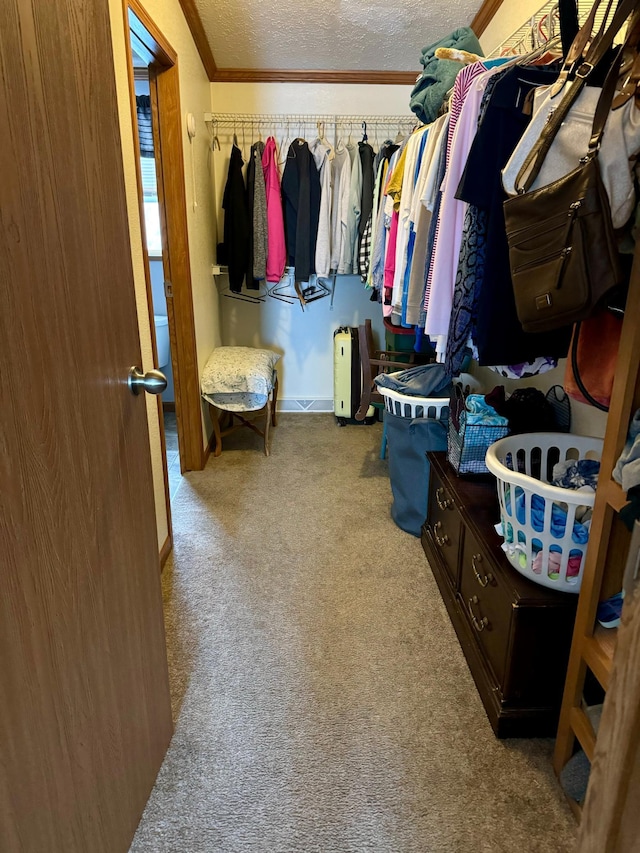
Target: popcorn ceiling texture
(343,35)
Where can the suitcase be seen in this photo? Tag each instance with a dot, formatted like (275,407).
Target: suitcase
(347,377)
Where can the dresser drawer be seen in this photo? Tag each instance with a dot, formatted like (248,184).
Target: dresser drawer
(445,526)
(487,604)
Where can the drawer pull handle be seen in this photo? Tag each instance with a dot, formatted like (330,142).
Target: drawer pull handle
(483,580)
(440,540)
(443,504)
(478,624)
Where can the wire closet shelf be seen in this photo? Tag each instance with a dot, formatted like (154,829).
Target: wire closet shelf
(542,27)
(300,123)
(280,119)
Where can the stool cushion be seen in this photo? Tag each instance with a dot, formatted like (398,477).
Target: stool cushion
(239,379)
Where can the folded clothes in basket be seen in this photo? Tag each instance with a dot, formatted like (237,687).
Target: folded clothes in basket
(577,474)
(479,412)
(580,533)
(423,380)
(555,561)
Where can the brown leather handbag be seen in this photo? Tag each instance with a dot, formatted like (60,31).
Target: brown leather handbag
(562,248)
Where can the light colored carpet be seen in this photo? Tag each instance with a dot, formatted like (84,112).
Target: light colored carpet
(321,699)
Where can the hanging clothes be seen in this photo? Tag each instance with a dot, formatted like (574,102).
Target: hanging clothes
(257,208)
(349,257)
(341,186)
(301,196)
(380,165)
(276,247)
(364,251)
(396,168)
(405,198)
(463,123)
(237,227)
(321,151)
(470,270)
(433,200)
(378,251)
(367,155)
(420,220)
(498,334)
(390,264)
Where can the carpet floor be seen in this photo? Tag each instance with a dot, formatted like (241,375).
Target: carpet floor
(321,700)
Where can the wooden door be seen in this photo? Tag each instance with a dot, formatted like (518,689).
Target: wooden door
(611,816)
(84,703)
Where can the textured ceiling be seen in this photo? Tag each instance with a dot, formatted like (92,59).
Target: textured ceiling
(335,35)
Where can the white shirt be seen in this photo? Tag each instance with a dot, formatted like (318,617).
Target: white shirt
(341,181)
(320,151)
(349,256)
(406,199)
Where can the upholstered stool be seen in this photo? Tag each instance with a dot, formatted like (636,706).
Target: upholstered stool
(237,380)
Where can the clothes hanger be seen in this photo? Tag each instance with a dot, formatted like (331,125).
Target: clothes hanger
(245,297)
(282,290)
(241,296)
(324,141)
(349,138)
(364,131)
(286,144)
(315,289)
(215,142)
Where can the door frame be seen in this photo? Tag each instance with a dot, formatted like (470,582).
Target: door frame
(169,155)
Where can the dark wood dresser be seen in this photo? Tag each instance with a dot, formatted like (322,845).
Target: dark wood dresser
(514,633)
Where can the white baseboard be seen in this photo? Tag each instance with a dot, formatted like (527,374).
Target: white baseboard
(296,405)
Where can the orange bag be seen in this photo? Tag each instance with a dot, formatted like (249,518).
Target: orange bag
(595,351)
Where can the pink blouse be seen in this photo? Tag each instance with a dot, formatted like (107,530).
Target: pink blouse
(276,247)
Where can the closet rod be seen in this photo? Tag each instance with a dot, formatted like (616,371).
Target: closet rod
(303,118)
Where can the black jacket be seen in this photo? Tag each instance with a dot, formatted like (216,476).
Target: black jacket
(301,202)
(237,228)
(366,159)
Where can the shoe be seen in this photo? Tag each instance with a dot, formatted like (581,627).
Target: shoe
(609,611)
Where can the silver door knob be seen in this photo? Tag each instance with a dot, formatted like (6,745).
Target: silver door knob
(153,381)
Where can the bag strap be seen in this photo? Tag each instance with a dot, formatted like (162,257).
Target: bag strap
(599,47)
(579,45)
(576,372)
(603,108)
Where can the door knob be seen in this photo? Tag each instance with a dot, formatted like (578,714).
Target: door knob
(153,381)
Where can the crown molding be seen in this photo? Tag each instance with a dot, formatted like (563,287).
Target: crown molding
(286,75)
(194,22)
(485,15)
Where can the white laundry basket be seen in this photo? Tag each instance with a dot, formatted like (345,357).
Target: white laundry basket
(544,526)
(408,406)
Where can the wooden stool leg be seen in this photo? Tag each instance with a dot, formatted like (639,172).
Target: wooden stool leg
(216,430)
(266,427)
(275,400)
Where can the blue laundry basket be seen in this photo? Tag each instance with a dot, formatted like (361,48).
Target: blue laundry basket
(409,439)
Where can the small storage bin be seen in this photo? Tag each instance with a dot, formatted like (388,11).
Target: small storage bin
(545,527)
(413,426)
(467,444)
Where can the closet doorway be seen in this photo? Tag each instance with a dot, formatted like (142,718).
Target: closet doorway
(157,126)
